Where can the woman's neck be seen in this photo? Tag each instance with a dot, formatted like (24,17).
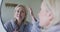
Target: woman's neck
(18,22)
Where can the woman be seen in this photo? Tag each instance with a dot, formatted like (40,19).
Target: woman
(35,23)
(50,16)
(18,23)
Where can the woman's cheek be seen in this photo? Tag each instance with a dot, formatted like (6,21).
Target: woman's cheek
(44,19)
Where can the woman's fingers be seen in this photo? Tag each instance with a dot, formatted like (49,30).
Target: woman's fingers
(32,14)
(31,11)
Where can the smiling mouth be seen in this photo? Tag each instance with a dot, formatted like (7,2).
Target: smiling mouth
(19,16)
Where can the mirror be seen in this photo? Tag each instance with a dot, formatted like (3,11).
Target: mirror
(1,23)
(8,6)
(7,12)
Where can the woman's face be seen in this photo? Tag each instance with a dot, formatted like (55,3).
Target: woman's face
(20,13)
(45,16)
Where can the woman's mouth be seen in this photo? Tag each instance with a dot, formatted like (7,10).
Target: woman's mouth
(19,16)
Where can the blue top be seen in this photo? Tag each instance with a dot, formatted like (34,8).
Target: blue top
(55,28)
(10,26)
(35,27)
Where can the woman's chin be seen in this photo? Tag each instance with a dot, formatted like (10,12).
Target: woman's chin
(18,18)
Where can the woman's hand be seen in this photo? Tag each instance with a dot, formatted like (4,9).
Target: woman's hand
(32,14)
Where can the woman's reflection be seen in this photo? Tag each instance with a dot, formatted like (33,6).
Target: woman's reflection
(18,23)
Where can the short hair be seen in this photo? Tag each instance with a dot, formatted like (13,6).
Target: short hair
(51,4)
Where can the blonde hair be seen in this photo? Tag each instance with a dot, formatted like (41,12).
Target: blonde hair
(25,8)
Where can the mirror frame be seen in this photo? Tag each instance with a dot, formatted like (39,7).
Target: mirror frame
(0,11)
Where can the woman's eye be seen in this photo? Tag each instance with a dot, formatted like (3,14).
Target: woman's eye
(18,11)
(22,11)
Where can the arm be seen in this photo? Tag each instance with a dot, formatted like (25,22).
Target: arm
(35,23)
(32,15)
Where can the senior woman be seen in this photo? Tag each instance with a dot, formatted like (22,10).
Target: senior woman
(54,26)
(49,17)
(45,17)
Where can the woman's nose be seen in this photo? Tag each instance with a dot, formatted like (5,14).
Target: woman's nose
(19,13)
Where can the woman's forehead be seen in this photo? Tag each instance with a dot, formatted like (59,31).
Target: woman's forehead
(19,8)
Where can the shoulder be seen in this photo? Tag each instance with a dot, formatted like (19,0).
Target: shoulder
(27,23)
(28,27)
(8,25)
(54,29)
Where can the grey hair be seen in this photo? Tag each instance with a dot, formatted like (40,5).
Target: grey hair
(51,5)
